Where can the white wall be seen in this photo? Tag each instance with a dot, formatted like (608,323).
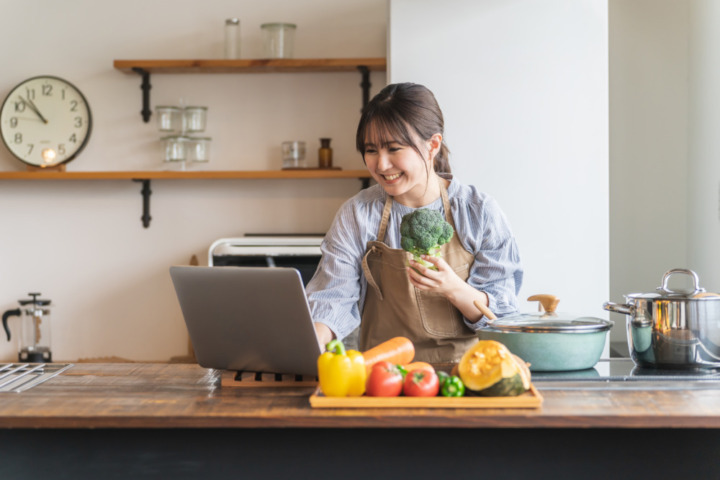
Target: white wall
(648,144)
(524,89)
(704,143)
(81,243)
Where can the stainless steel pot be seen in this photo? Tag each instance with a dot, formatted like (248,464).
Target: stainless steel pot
(673,329)
(547,340)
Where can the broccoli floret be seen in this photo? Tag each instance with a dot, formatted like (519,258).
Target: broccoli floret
(422,232)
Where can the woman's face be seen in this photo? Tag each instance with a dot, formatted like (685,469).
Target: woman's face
(401,172)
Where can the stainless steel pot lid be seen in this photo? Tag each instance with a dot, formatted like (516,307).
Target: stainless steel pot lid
(550,323)
(665,292)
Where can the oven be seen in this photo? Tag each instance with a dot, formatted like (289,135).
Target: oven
(299,251)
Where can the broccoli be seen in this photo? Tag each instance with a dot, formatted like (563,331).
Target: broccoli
(422,232)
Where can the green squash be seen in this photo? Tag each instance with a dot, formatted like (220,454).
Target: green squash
(488,368)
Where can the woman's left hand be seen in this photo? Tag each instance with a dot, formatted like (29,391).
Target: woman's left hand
(446,282)
(443,281)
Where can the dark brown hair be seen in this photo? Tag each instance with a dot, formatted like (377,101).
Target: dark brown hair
(398,108)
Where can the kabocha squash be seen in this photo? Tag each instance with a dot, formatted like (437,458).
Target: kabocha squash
(489,369)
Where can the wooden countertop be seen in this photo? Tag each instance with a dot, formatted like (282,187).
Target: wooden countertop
(143,395)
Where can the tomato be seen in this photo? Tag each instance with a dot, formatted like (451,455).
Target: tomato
(421,383)
(385,380)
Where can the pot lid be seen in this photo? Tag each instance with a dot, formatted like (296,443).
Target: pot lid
(549,321)
(665,292)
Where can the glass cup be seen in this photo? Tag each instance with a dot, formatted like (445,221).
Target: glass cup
(278,39)
(293,153)
(169,119)
(175,150)
(195,119)
(198,149)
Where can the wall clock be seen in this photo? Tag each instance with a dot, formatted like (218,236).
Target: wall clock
(45,121)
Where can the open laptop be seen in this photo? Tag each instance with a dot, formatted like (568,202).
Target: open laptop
(248,318)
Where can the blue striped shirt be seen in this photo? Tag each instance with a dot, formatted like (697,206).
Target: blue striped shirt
(337,290)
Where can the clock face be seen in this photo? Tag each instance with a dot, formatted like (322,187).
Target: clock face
(45,121)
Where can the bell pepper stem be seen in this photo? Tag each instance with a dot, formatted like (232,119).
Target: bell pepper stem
(336,347)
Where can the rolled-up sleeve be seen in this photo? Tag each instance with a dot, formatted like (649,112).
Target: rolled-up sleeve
(336,289)
(497,269)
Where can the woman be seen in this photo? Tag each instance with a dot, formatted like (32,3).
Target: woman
(365,279)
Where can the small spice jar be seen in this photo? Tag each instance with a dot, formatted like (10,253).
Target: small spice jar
(325,154)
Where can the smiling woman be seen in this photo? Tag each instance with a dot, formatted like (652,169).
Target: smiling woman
(366,280)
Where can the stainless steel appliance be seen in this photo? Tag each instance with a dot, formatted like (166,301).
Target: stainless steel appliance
(299,251)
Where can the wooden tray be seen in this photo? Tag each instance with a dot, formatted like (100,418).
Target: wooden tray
(529,399)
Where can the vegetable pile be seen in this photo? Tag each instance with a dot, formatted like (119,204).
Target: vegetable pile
(423,232)
(488,368)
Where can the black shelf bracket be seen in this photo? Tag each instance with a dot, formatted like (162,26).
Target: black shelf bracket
(145,87)
(145,192)
(365,84)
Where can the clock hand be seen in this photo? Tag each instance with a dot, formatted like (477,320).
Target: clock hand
(32,107)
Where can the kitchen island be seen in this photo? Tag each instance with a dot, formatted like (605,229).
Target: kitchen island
(137,420)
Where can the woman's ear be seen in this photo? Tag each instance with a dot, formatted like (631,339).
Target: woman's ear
(434,144)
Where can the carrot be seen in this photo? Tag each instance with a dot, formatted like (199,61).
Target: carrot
(398,351)
(418,366)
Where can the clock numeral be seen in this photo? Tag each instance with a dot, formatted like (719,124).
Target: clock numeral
(61,149)
(30,93)
(73,105)
(62,94)
(47,90)
(18,137)
(13,122)
(73,138)
(30,148)
(19,106)
(78,122)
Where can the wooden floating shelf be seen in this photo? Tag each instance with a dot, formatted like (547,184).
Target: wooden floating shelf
(145,177)
(252,65)
(309,173)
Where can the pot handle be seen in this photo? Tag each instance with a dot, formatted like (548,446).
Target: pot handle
(666,278)
(624,308)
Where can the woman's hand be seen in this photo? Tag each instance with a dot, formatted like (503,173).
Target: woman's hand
(446,282)
(324,334)
(443,281)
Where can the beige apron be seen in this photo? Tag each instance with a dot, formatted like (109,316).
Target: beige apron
(394,307)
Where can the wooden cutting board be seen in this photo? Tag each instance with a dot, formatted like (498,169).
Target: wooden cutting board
(529,399)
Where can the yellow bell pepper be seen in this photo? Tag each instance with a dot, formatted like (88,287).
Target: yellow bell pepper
(341,373)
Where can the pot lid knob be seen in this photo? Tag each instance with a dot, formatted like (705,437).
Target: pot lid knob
(548,303)
(665,288)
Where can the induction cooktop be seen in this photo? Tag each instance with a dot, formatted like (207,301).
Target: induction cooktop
(622,373)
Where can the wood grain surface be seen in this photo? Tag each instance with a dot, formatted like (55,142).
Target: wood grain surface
(143,395)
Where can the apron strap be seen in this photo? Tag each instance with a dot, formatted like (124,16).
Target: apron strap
(380,238)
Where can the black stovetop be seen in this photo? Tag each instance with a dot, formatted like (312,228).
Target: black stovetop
(624,370)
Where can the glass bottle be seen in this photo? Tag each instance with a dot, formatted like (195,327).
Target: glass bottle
(232,38)
(325,154)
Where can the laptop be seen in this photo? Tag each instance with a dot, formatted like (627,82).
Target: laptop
(248,318)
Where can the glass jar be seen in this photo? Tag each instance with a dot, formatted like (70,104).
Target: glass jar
(169,119)
(232,38)
(293,153)
(174,148)
(195,119)
(278,39)
(198,149)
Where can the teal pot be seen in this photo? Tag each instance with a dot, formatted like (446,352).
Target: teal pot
(550,341)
